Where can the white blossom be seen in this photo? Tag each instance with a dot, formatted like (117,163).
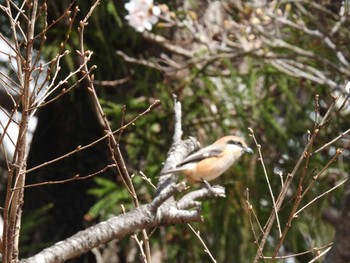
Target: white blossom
(142,14)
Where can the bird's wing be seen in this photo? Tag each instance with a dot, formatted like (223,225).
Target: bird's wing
(209,151)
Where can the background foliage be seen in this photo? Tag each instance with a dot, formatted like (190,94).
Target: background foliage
(224,97)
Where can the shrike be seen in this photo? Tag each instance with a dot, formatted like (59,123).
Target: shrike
(210,162)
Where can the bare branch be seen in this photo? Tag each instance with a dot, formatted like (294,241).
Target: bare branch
(267,180)
(158,212)
(339,252)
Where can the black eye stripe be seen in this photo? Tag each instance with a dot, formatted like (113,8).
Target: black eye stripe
(235,142)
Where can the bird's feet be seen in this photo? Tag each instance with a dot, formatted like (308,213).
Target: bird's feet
(215,190)
(206,184)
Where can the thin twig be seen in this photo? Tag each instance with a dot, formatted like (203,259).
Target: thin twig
(166,43)
(320,255)
(250,213)
(332,141)
(299,195)
(140,245)
(114,145)
(319,196)
(76,177)
(314,179)
(282,196)
(80,148)
(206,250)
(325,248)
(147,179)
(267,180)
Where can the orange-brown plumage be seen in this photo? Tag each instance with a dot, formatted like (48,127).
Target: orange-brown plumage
(212,161)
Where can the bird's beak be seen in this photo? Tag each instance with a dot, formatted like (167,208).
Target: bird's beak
(248,150)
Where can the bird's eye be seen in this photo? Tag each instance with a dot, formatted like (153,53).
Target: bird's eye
(235,143)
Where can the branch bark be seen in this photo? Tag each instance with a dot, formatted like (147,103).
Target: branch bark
(163,210)
(157,213)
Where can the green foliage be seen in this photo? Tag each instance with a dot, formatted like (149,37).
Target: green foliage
(31,221)
(108,196)
(278,107)
(112,198)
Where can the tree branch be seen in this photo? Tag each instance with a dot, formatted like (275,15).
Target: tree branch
(159,212)
(340,252)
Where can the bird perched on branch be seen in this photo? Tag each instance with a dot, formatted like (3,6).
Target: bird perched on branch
(212,161)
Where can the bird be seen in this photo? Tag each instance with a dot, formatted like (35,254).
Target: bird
(211,161)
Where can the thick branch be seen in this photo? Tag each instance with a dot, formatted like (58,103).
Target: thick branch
(146,216)
(116,227)
(178,151)
(159,212)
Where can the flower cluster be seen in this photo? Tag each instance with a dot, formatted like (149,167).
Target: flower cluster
(142,14)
